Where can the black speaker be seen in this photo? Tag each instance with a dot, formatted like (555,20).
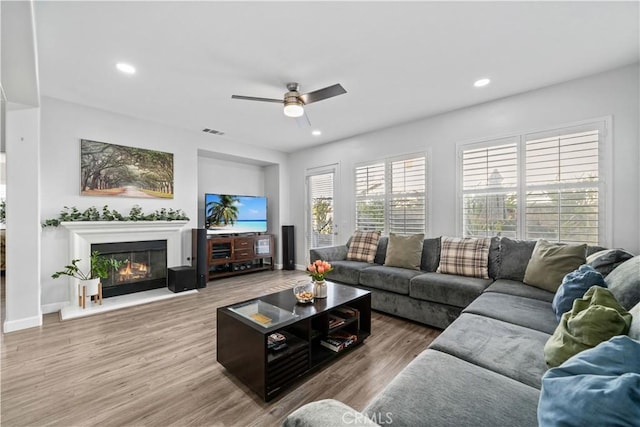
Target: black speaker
(288,248)
(199,255)
(181,278)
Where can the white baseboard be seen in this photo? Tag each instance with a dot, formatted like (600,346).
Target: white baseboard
(53,307)
(277,266)
(27,322)
(301,267)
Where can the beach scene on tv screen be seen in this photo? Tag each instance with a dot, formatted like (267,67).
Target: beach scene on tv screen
(226,213)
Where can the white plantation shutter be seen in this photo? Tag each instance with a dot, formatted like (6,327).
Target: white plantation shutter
(370,197)
(489,189)
(321,229)
(562,186)
(406,201)
(391,195)
(545,185)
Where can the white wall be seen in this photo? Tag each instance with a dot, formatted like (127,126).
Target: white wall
(612,93)
(64,124)
(23,217)
(227,177)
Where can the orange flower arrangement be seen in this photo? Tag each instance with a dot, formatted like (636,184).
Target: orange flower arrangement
(317,270)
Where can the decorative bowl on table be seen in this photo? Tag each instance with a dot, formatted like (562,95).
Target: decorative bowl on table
(304,292)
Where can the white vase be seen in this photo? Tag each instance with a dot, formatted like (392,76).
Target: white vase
(319,289)
(92,286)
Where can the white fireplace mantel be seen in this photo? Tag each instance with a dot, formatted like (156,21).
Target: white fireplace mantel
(82,234)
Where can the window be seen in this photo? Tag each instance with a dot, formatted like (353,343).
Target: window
(489,190)
(545,185)
(391,195)
(321,226)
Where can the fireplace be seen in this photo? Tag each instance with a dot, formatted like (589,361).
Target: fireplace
(144,266)
(84,234)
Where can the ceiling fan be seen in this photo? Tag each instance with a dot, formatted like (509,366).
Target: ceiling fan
(294,101)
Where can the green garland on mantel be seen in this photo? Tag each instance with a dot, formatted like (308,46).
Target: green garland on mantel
(93,214)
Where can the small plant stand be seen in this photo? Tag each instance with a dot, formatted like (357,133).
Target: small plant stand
(82,295)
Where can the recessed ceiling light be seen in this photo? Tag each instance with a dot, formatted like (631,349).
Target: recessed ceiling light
(482,82)
(126,68)
(316,132)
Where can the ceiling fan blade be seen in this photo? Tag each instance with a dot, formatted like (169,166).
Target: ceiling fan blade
(303,121)
(253,98)
(320,94)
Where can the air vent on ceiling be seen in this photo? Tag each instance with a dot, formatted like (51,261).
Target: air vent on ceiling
(213,131)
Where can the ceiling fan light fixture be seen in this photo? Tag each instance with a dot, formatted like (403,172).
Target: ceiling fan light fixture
(293,108)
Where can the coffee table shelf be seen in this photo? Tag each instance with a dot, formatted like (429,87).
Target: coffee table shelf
(242,336)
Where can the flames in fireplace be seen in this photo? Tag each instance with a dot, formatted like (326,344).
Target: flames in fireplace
(133,271)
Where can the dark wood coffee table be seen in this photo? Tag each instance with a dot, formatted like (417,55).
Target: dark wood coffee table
(243,330)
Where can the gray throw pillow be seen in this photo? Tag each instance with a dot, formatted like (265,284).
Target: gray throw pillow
(404,251)
(550,262)
(514,258)
(494,257)
(624,282)
(604,262)
(381,252)
(430,254)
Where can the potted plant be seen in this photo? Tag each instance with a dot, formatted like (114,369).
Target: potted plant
(317,270)
(100,267)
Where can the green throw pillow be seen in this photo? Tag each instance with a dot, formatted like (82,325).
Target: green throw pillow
(550,262)
(404,251)
(594,318)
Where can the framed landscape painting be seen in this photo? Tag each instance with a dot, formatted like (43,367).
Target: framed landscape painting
(116,170)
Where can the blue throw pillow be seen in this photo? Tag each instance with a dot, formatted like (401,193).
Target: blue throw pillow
(597,387)
(574,285)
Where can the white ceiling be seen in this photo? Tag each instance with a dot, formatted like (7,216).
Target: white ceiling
(397,61)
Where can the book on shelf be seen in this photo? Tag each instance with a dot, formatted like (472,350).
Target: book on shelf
(335,321)
(348,313)
(339,341)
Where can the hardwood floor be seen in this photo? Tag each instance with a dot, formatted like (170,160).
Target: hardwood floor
(155,365)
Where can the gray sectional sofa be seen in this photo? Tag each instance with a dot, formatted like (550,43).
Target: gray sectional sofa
(423,295)
(485,369)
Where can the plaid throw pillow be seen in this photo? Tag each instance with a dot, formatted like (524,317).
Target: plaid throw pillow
(464,256)
(363,246)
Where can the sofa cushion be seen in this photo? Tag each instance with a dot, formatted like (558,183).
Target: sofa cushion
(604,262)
(391,279)
(425,312)
(347,271)
(550,262)
(574,286)
(514,258)
(404,251)
(519,289)
(430,254)
(437,389)
(624,282)
(598,387)
(594,318)
(505,348)
(465,256)
(363,246)
(527,312)
(458,291)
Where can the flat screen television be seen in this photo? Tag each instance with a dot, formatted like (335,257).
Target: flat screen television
(233,214)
